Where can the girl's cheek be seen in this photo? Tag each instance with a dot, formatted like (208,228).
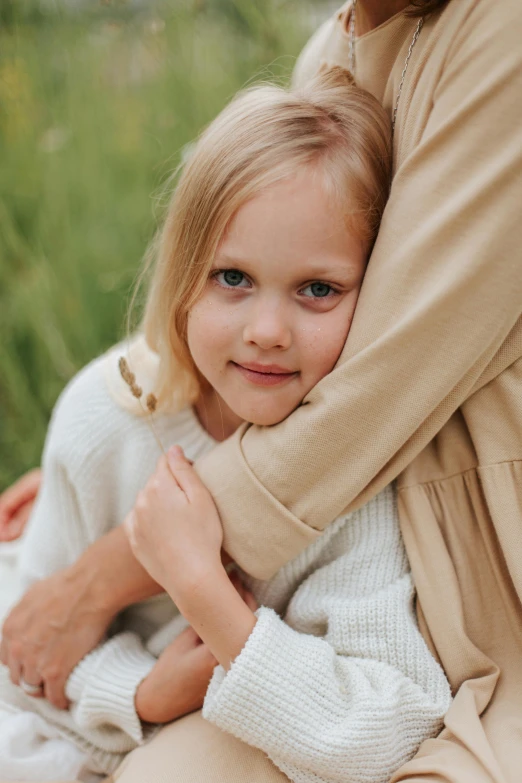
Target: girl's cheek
(209,330)
(322,342)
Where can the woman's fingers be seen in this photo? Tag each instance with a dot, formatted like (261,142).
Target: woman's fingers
(21,492)
(13,527)
(31,681)
(48,632)
(15,669)
(225,558)
(54,689)
(16,504)
(245,594)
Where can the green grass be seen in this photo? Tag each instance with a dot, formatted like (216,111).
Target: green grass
(95,107)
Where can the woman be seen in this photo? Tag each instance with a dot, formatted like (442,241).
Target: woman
(438,337)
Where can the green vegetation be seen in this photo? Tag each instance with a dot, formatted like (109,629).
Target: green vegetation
(96,104)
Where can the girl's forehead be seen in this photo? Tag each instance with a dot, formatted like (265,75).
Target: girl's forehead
(298,207)
(294,224)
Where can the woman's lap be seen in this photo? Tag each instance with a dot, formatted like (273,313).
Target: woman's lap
(192,750)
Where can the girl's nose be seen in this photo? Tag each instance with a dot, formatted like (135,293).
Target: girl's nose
(267,327)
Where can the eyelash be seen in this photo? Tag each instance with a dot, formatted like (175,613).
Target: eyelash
(333,291)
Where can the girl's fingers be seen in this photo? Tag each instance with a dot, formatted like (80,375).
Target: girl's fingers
(250,601)
(225,558)
(187,640)
(183,472)
(128,526)
(245,594)
(166,473)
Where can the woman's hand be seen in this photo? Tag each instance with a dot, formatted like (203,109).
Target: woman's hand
(49,631)
(62,618)
(16,504)
(174,530)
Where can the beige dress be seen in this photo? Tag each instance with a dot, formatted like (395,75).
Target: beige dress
(429,390)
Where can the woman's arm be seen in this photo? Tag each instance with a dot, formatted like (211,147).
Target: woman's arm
(77,581)
(62,618)
(119,692)
(441,295)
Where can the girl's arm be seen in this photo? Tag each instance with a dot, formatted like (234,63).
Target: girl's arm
(353,705)
(349,696)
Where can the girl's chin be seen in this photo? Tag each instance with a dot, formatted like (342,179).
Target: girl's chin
(267,418)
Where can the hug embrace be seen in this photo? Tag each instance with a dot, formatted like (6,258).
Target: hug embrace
(320,579)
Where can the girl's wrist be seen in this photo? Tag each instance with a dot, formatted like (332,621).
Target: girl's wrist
(216,611)
(194,582)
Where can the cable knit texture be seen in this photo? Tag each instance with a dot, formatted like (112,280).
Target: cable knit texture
(335,682)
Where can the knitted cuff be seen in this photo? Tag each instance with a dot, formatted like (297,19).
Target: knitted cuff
(249,700)
(102,687)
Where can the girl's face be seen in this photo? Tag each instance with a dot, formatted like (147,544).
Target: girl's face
(278,303)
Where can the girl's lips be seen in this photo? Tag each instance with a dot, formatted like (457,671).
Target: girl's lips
(264,378)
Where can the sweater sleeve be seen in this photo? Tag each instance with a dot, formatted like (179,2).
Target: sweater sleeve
(74,508)
(102,689)
(347,708)
(440,297)
(75,505)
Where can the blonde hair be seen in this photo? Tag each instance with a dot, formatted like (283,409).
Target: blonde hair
(263,136)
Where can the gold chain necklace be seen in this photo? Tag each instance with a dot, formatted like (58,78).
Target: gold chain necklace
(351,43)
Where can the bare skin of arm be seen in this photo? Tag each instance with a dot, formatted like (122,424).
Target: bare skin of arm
(63,617)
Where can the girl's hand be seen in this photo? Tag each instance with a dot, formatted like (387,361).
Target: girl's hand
(178,682)
(16,504)
(174,530)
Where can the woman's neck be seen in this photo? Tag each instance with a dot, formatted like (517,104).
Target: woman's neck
(215,416)
(372,13)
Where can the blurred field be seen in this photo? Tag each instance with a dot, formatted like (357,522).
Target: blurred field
(97,101)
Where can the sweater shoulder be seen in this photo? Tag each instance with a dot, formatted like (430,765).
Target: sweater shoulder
(95,426)
(84,403)
(86,421)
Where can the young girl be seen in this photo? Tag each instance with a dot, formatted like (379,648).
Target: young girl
(258,270)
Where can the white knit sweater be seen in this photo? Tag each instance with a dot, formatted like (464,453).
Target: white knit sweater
(335,682)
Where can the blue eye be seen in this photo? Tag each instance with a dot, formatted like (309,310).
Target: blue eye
(318,290)
(230,278)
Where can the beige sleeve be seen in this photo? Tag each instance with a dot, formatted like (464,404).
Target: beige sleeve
(441,294)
